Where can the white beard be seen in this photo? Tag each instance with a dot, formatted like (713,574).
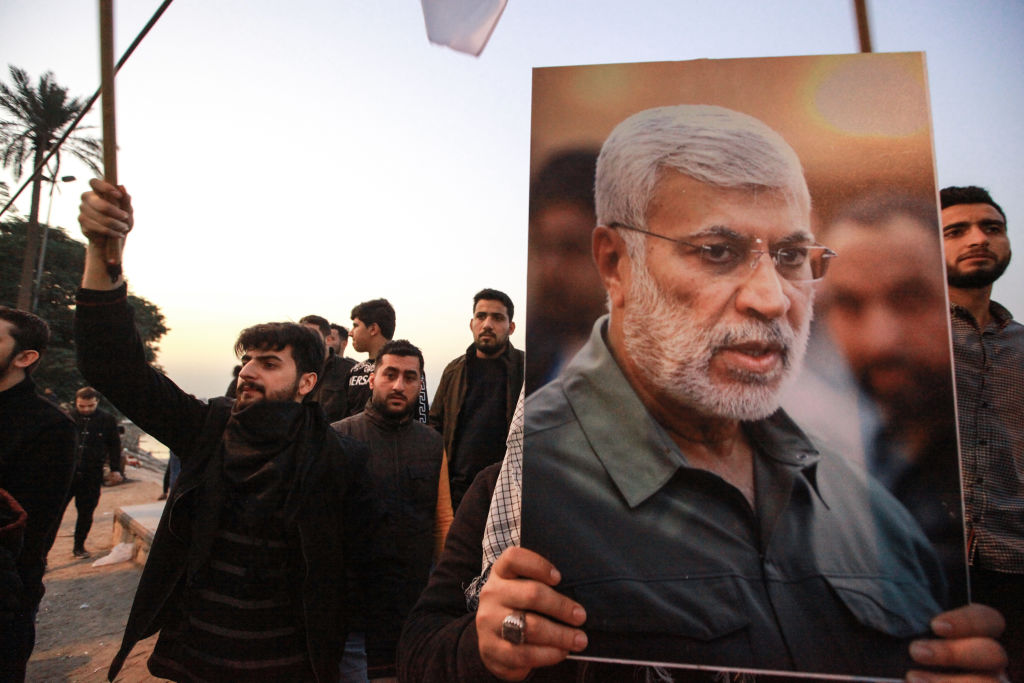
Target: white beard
(672,348)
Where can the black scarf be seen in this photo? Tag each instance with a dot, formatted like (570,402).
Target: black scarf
(264,445)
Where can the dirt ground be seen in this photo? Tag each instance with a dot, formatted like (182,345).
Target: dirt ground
(82,616)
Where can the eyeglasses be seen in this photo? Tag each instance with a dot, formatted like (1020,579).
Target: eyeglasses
(796,263)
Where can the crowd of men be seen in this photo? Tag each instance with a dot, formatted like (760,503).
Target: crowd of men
(674,513)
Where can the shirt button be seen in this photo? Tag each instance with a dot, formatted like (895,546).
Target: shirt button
(982,442)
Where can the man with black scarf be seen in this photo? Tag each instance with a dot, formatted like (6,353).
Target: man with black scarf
(249,573)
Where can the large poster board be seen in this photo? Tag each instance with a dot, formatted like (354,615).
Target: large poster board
(851,535)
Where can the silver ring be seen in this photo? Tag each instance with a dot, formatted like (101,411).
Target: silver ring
(513,628)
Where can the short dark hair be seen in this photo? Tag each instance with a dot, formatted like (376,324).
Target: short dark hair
(970,194)
(399,347)
(566,178)
(875,208)
(342,330)
(379,312)
(320,322)
(494,295)
(308,347)
(87,394)
(28,330)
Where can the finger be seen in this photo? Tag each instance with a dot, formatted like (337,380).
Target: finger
(969,621)
(971,654)
(515,662)
(101,186)
(540,631)
(99,215)
(93,226)
(499,597)
(519,562)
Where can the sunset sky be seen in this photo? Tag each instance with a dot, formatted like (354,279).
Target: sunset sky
(298,158)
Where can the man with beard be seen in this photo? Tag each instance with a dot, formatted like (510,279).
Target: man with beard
(660,477)
(475,400)
(988,353)
(411,492)
(98,441)
(37,461)
(883,307)
(246,577)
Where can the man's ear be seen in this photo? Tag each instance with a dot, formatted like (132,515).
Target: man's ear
(613,264)
(25,358)
(372,376)
(306,383)
(373,329)
(511,327)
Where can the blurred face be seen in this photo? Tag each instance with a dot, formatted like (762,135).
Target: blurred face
(269,375)
(563,284)
(395,385)
(977,246)
(360,336)
(885,308)
(86,406)
(491,327)
(720,342)
(333,341)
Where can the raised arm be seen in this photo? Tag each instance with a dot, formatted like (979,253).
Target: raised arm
(110,352)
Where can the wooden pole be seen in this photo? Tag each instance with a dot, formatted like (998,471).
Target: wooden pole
(113,246)
(863,29)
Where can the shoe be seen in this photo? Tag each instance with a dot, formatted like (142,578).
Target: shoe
(81,553)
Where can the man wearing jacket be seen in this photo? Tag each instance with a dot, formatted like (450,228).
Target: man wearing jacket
(405,466)
(248,575)
(474,401)
(37,460)
(98,441)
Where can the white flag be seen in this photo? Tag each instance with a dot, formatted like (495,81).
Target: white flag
(463,25)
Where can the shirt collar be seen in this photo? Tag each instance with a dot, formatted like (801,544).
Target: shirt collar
(617,427)
(1001,316)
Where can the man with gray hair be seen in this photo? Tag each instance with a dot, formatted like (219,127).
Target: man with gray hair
(700,515)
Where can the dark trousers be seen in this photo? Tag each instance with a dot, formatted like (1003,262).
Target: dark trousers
(1005,592)
(85,489)
(17,638)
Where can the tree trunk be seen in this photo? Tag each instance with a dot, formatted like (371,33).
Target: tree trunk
(32,235)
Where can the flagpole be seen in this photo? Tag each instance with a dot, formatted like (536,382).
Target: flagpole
(113,247)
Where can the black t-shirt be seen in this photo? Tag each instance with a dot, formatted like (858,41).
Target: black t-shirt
(480,437)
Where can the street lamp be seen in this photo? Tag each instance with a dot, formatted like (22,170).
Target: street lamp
(46,233)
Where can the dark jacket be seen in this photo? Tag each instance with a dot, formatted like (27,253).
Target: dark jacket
(451,392)
(405,468)
(98,440)
(37,462)
(331,390)
(329,481)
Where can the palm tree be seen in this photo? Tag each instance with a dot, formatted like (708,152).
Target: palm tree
(33,122)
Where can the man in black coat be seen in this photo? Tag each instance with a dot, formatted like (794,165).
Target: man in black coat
(37,459)
(99,441)
(249,573)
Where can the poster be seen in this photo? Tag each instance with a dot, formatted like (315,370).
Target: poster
(696,531)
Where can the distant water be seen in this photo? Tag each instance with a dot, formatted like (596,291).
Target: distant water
(156,449)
